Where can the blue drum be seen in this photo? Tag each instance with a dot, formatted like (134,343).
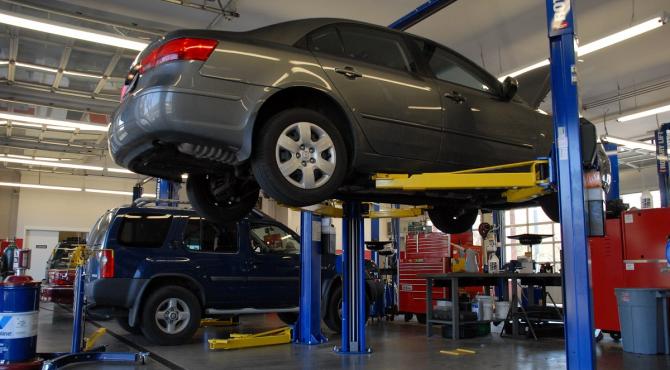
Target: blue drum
(19,306)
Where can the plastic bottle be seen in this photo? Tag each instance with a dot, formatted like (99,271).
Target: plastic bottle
(646,200)
(494,264)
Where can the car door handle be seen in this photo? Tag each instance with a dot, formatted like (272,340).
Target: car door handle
(349,72)
(455,96)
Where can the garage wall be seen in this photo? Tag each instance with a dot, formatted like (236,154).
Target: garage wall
(65,210)
(9,203)
(634,181)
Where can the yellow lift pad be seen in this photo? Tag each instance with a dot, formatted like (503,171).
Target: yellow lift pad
(267,338)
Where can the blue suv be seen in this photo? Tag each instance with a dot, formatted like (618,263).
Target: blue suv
(159,270)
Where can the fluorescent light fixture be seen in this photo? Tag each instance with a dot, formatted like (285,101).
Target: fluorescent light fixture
(34,66)
(646,113)
(39,127)
(36,186)
(52,122)
(602,43)
(61,29)
(113,192)
(119,170)
(50,164)
(81,74)
(32,158)
(620,36)
(631,144)
(184,176)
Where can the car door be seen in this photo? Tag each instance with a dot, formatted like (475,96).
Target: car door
(214,251)
(399,111)
(482,128)
(274,273)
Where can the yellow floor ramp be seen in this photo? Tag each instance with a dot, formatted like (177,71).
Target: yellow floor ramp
(266,338)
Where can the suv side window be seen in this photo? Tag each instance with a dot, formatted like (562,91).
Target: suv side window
(143,230)
(202,236)
(446,68)
(271,239)
(325,40)
(376,47)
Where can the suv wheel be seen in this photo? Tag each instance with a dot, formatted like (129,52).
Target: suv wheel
(221,197)
(550,206)
(452,220)
(170,316)
(288,318)
(333,319)
(300,157)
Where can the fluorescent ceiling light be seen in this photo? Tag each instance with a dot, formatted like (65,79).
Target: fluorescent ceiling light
(36,126)
(113,192)
(631,144)
(53,122)
(646,113)
(50,164)
(119,170)
(602,43)
(34,66)
(36,186)
(60,29)
(35,158)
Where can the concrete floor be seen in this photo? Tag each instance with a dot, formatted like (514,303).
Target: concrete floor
(396,345)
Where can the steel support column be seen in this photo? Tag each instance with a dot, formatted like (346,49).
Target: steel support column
(611,150)
(579,345)
(374,233)
(662,163)
(308,330)
(353,281)
(166,189)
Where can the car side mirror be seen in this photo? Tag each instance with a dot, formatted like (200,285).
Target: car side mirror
(509,87)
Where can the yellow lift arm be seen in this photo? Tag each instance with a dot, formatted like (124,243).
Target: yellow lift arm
(267,338)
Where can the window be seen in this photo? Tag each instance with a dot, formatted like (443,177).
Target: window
(144,230)
(270,239)
(442,64)
(376,47)
(326,41)
(97,234)
(202,236)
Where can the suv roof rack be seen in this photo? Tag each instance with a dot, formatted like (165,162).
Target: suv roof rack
(155,202)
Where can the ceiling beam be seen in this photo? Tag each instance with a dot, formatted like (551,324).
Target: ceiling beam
(43,96)
(30,143)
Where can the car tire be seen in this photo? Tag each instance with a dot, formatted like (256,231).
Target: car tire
(453,220)
(408,317)
(550,206)
(333,319)
(421,318)
(170,316)
(123,323)
(288,318)
(241,198)
(278,164)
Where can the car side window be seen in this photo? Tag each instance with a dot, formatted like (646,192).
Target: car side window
(203,236)
(445,68)
(271,239)
(376,47)
(143,230)
(325,40)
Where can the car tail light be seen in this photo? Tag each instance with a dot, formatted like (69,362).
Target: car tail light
(106,263)
(187,48)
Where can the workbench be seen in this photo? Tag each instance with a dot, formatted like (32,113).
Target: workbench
(456,280)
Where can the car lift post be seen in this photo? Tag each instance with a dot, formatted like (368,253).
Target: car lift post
(579,345)
(374,233)
(611,151)
(662,164)
(166,189)
(353,281)
(308,330)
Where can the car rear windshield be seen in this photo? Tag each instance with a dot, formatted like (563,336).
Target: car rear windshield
(143,230)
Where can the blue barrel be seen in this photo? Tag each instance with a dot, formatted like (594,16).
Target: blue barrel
(18,321)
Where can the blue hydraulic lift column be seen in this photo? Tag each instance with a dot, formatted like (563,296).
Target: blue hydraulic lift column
(308,330)
(353,281)
(611,150)
(662,164)
(579,344)
(166,189)
(374,234)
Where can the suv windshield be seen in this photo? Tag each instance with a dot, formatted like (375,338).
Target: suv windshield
(97,234)
(61,258)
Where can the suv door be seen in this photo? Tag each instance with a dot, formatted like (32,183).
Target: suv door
(274,266)
(398,110)
(482,128)
(214,251)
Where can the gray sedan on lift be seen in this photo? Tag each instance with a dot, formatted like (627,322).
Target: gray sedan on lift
(307,110)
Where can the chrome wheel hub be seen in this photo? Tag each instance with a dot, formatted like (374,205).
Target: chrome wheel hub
(172,316)
(305,155)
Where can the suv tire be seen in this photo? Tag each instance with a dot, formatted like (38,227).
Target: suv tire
(453,220)
(284,155)
(170,316)
(288,318)
(333,319)
(236,199)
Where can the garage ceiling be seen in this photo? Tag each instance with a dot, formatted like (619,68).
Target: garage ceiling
(63,78)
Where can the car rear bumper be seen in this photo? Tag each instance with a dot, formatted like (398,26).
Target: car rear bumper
(116,292)
(160,112)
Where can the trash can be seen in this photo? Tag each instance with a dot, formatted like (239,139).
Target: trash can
(643,313)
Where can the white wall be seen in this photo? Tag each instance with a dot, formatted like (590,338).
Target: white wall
(636,181)
(9,202)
